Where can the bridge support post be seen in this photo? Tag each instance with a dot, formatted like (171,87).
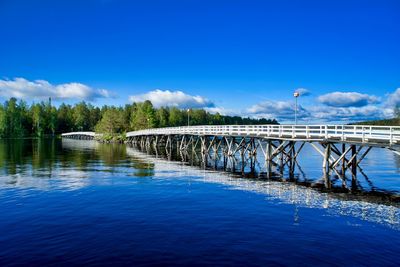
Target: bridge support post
(354,161)
(229,142)
(325,164)
(268,151)
(344,159)
(216,147)
(203,141)
(195,143)
(183,143)
(291,158)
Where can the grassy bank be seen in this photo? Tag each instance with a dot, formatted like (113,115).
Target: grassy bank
(112,138)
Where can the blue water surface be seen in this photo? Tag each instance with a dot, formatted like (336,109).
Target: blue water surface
(80,204)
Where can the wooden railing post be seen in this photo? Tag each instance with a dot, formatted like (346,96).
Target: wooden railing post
(343,127)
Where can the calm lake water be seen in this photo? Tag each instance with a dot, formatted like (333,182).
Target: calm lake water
(65,202)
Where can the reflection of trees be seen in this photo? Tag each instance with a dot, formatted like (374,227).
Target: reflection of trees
(14,155)
(76,158)
(78,153)
(22,162)
(143,168)
(41,156)
(111,154)
(82,152)
(18,155)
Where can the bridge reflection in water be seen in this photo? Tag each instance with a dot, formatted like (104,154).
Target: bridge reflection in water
(175,164)
(250,160)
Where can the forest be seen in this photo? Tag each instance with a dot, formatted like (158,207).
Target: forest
(18,119)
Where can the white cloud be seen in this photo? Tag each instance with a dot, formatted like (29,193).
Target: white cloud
(303,91)
(347,99)
(284,112)
(393,99)
(41,89)
(336,107)
(347,114)
(280,110)
(178,99)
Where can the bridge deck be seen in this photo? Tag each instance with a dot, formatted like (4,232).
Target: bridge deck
(81,135)
(371,135)
(93,134)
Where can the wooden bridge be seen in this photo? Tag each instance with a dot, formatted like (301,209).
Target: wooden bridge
(342,147)
(81,135)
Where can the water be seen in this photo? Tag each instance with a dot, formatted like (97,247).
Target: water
(84,203)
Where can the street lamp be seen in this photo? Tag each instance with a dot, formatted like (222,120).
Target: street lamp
(188,112)
(296,95)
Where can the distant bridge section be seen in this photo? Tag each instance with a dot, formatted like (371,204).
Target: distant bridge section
(81,135)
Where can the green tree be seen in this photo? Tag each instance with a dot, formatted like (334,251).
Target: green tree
(65,121)
(112,122)
(176,117)
(3,122)
(162,116)
(199,117)
(94,117)
(143,116)
(217,119)
(53,121)
(50,118)
(81,115)
(37,119)
(128,110)
(13,119)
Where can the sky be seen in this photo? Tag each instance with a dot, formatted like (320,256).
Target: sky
(242,58)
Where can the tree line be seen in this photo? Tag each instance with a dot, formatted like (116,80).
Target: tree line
(18,119)
(395,121)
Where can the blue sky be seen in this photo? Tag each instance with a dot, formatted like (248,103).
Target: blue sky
(235,57)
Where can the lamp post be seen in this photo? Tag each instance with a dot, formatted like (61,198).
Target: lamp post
(296,95)
(188,112)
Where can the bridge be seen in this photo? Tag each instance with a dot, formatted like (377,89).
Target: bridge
(81,135)
(342,147)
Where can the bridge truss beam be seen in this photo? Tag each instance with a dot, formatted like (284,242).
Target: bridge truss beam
(275,153)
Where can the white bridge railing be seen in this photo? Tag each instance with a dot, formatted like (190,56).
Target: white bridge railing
(350,133)
(92,134)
